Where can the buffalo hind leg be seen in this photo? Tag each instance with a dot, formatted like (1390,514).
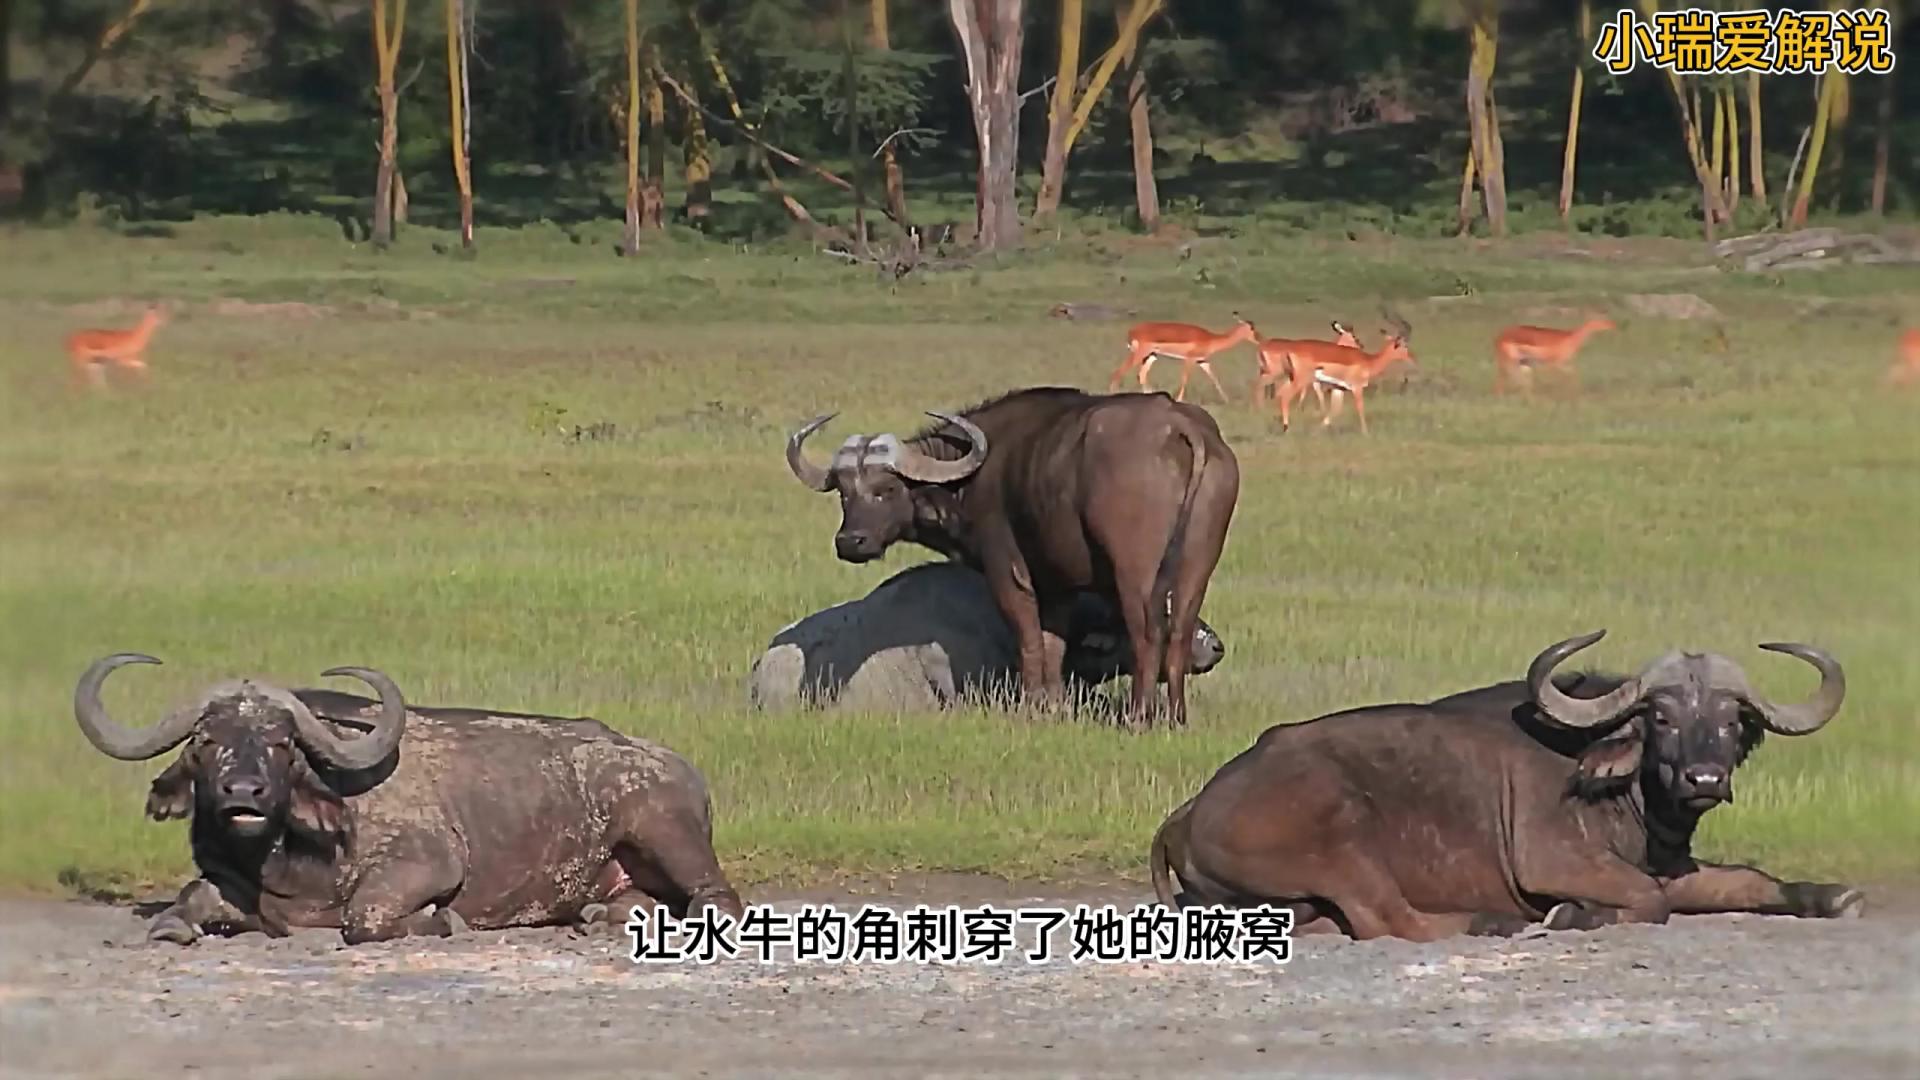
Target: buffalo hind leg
(1042,682)
(392,899)
(1711,889)
(669,861)
(1359,895)
(200,905)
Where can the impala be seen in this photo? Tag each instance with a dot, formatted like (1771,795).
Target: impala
(1274,367)
(1194,346)
(89,350)
(1525,346)
(1906,368)
(1343,369)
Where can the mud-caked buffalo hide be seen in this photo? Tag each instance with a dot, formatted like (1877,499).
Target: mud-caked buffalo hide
(314,808)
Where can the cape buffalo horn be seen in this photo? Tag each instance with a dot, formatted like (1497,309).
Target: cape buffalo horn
(1808,716)
(815,477)
(364,752)
(122,743)
(915,465)
(1570,711)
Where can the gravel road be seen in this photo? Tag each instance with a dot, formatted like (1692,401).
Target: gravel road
(81,994)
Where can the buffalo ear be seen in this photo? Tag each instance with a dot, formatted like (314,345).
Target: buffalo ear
(314,809)
(1610,764)
(171,793)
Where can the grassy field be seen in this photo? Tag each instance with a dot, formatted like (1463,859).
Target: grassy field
(383,469)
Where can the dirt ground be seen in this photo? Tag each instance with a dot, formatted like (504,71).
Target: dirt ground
(1749,996)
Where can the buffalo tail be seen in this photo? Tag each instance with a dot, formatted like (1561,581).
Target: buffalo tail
(1163,577)
(1160,860)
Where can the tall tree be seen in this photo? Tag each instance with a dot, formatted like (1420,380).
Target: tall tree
(459,48)
(1713,207)
(699,168)
(386,51)
(1573,109)
(1756,160)
(630,232)
(1823,111)
(1072,108)
(879,37)
(1882,145)
(990,33)
(1146,193)
(653,196)
(1482,121)
(1066,78)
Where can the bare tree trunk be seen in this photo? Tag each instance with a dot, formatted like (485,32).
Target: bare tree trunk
(1053,168)
(1146,193)
(878,37)
(1756,156)
(852,89)
(990,38)
(1573,113)
(653,192)
(699,169)
(386,48)
(1467,177)
(458,48)
(6,66)
(1731,184)
(1882,145)
(630,232)
(1822,111)
(1479,119)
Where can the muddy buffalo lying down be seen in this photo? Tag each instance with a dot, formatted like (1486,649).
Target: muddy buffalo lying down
(1571,802)
(313,808)
(929,637)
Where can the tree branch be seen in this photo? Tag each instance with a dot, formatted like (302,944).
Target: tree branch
(746,132)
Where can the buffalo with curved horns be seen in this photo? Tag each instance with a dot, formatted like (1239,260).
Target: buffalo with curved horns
(1569,801)
(930,637)
(1051,492)
(313,808)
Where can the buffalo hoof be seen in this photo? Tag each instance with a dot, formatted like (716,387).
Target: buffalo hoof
(1816,901)
(1566,915)
(450,922)
(172,929)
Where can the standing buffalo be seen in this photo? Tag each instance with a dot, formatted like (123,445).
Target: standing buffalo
(483,819)
(1050,492)
(929,637)
(1498,807)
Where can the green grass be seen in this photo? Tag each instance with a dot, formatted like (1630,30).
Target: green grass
(366,487)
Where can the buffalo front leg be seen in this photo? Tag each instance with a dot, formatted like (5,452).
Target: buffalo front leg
(200,905)
(1041,654)
(1596,890)
(392,898)
(1712,889)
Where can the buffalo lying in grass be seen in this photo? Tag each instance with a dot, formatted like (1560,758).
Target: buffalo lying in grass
(931,637)
(1500,807)
(430,821)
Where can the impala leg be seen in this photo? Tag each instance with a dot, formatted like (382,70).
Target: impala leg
(1134,357)
(1360,408)
(1146,368)
(1186,372)
(1206,368)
